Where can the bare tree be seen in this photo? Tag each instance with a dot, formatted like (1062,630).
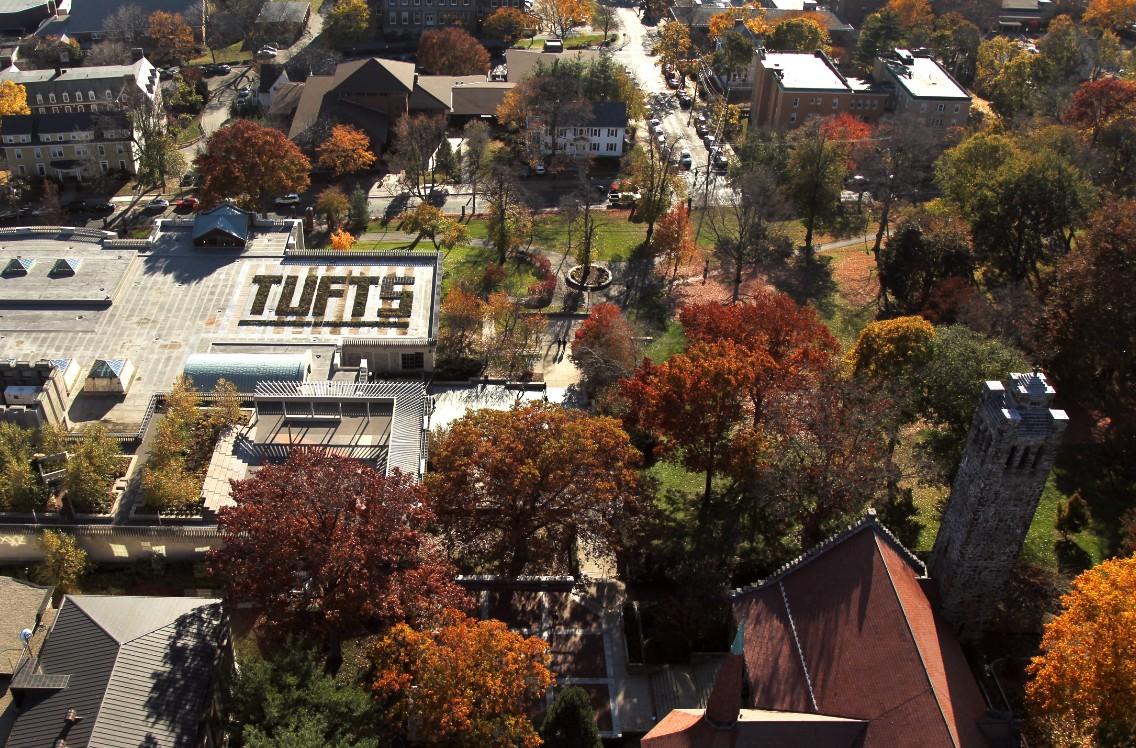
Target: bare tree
(108,52)
(743,231)
(127,24)
(416,139)
(508,215)
(475,151)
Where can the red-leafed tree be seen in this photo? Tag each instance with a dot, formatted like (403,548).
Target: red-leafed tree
(603,349)
(452,51)
(1097,104)
(331,547)
(795,349)
(250,163)
(515,489)
(854,132)
(693,402)
(674,243)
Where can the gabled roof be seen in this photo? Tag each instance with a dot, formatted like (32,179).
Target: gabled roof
(322,95)
(608,114)
(140,670)
(374,74)
(225,218)
(24,603)
(521,62)
(91,15)
(849,629)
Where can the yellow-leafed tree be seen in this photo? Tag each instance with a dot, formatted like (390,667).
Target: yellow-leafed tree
(1111,14)
(13,99)
(346,150)
(891,347)
(1083,691)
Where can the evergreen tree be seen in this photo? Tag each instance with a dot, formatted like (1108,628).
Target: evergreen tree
(571,721)
(360,213)
(1072,515)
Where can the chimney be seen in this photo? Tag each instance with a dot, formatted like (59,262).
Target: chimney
(136,54)
(725,702)
(72,717)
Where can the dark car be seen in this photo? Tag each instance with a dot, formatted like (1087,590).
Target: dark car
(217,69)
(702,130)
(685,100)
(101,208)
(79,206)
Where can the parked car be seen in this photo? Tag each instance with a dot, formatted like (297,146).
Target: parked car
(654,122)
(191,179)
(166,74)
(623,199)
(219,68)
(672,80)
(244,96)
(79,206)
(685,100)
(187,204)
(709,140)
(702,130)
(290,199)
(157,205)
(719,162)
(685,160)
(267,52)
(102,208)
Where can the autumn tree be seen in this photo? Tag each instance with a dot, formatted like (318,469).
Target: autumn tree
(721,23)
(13,99)
(341,239)
(1111,14)
(1072,515)
(1023,203)
(92,467)
(814,177)
(561,16)
(926,250)
(1090,334)
(475,154)
(451,51)
(801,34)
(461,317)
(510,24)
(429,222)
(915,18)
(332,203)
(285,699)
(673,242)
(171,37)
(603,349)
(250,163)
(416,139)
(64,561)
(509,217)
(1083,687)
(1007,74)
(672,45)
(329,546)
(346,151)
(348,23)
(1100,104)
(159,157)
(517,491)
(462,683)
(654,171)
(881,32)
(571,721)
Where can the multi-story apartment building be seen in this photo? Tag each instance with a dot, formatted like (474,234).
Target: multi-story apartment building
(791,87)
(416,16)
(923,89)
(73,147)
(95,89)
(601,135)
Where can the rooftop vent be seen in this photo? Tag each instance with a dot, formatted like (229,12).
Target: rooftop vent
(18,266)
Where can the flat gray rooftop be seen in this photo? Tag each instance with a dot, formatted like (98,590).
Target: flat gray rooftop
(923,78)
(804,71)
(178,299)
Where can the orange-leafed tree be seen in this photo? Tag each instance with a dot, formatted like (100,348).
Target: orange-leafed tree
(853,133)
(516,490)
(796,349)
(13,99)
(452,51)
(510,24)
(693,403)
(346,151)
(171,37)
(249,162)
(561,16)
(604,349)
(462,683)
(674,242)
(1083,691)
(800,34)
(1111,14)
(342,239)
(913,15)
(754,20)
(329,547)
(460,320)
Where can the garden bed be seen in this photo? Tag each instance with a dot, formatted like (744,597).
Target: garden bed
(598,278)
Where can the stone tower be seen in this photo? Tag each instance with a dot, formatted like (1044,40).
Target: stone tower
(1012,444)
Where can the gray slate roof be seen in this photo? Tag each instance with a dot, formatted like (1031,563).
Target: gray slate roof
(141,669)
(225,218)
(23,605)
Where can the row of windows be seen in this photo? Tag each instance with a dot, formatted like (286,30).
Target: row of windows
(938,107)
(78,108)
(581,132)
(57,151)
(78,97)
(864,104)
(41,170)
(405,3)
(59,138)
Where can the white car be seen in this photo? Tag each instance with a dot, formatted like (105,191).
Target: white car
(290,199)
(267,53)
(685,160)
(654,122)
(539,169)
(157,204)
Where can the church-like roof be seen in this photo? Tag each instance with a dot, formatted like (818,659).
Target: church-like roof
(108,368)
(225,218)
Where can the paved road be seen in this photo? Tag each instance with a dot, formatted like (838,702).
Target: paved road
(663,104)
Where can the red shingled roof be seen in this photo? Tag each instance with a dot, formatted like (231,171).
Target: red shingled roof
(849,631)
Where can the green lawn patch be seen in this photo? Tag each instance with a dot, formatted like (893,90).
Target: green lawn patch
(674,477)
(616,237)
(190,133)
(672,340)
(230,54)
(467,264)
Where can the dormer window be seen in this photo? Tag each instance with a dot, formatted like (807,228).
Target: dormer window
(66,98)
(51,98)
(109,95)
(39,98)
(90,96)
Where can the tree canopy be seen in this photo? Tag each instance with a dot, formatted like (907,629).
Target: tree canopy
(346,151)
(250,163)
(451,51)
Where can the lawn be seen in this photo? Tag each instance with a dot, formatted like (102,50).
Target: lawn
(230,54)
(192,132)
(616,237)
(670,341)
(674,477)
(467,264)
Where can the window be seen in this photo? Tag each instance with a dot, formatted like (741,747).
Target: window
(956,108)
(792,117)
(796,101)
(21,170)
(429,17)
(405,16)
(20,154)
(51,98)
(90,95)
(102,150)
(122,165)
(56,152)
(80,108)
(595,132)
(836,103)
(104,167)
(594,146)
(391,3)
(118,148)
(923,107)
(612,132)
(413,361)
(611,147)
(394,15)
(937,122)
(38,153)
(41,170)
(67,109)
(562,132)
(66,98)
(940,107)
(55,110)
(80,151)
(109,95)
(417,17)
(39,98)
